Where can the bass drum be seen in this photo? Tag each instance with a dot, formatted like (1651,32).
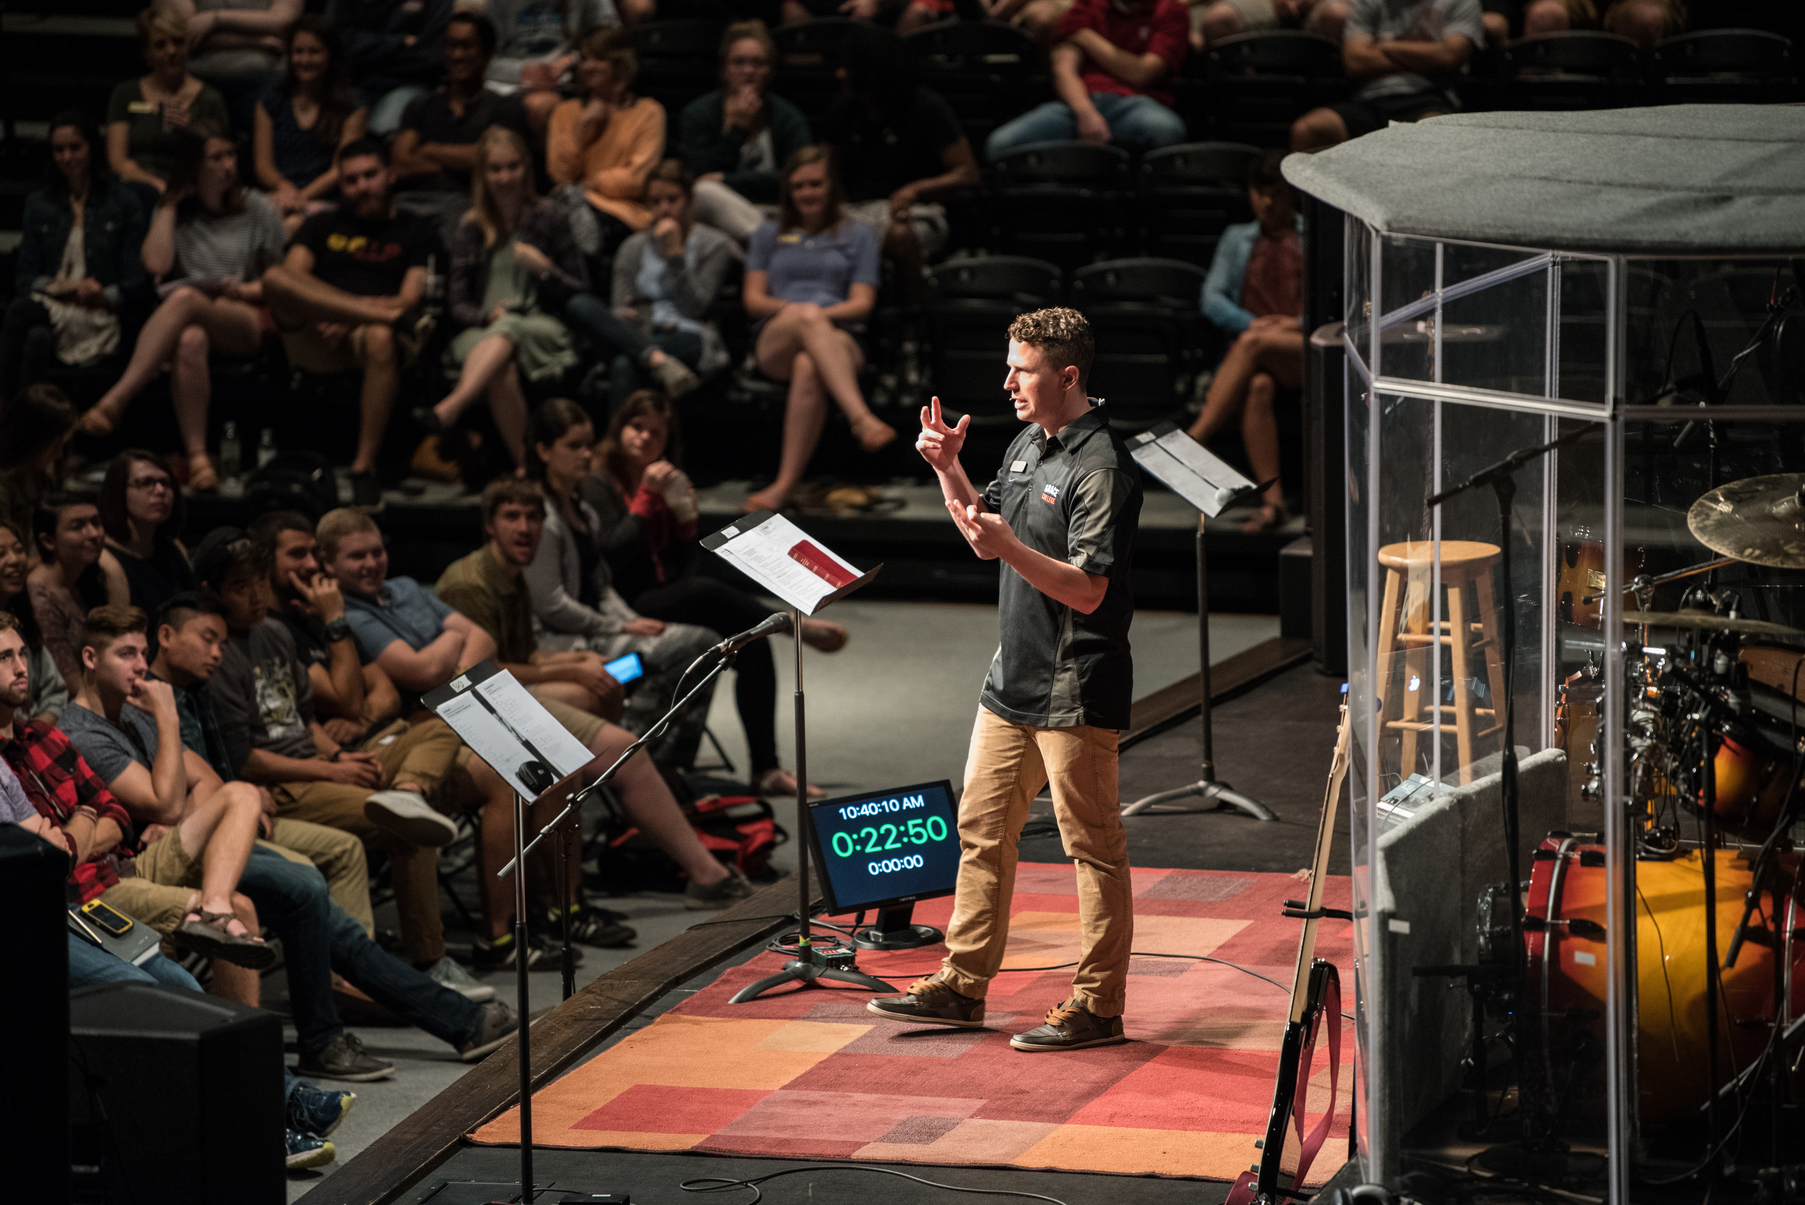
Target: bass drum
(1564,998)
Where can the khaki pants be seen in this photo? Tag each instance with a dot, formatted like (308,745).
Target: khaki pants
(1008,765)
(337,855)
(158,905)
(417,753)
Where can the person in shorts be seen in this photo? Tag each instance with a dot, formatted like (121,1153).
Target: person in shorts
(1404,54)
(346,298)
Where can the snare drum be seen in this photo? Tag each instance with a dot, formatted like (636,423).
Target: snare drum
(1568,968)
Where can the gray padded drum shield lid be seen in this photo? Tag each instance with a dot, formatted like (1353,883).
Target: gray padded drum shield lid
(1678,180)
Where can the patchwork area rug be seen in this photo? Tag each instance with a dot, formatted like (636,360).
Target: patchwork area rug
(809,1074)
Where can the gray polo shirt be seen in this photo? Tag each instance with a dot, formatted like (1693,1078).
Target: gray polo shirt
(107,747)
(1077,498)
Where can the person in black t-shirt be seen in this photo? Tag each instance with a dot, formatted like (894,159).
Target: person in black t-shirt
(346,296)
(898,146)
(435,148)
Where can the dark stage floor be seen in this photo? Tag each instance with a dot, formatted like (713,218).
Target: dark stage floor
(1274,743)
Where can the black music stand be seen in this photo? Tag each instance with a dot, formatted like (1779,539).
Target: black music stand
(518,738)
(1204,481)
(787,562)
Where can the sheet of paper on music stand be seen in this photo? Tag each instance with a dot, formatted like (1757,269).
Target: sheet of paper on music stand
(1190,469)
(513,729)
(787,561)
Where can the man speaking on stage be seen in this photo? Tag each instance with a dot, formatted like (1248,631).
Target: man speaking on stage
(1061,516)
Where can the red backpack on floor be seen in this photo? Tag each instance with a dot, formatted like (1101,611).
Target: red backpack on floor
(740,830)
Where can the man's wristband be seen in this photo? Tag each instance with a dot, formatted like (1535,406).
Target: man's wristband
(338,630)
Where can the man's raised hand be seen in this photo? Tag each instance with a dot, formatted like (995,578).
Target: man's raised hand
(320,594)
(938,443)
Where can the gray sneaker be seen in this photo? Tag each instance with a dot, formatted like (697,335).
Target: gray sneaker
(674,376)
(1070,1026)
(448,972)
(344,1058)
(724,894)
(930,1002)
(496,1026)
(411,818)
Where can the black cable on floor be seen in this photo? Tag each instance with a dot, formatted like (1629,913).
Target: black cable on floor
(724,1184)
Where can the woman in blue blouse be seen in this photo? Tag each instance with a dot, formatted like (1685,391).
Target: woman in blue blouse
(811,280)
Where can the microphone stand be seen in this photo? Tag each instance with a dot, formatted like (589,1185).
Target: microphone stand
(1502,478)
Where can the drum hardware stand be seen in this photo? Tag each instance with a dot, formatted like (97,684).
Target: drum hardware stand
(1537,1138)
(1643,586)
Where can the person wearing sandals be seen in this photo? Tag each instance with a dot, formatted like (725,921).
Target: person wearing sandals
(141,509)
(645,512)
(811,281)
(666,280)
(210,240)
(513,264)
(116,719)
(1254,294)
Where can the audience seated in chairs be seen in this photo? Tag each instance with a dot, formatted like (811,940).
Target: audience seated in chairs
(299,125)
(49,693)
(34,451)
(77,268)
(74,575)
(665,283)
(897,146)
(155,776)
(237,46)
(1107,62)
(147,116)
(1404,59)
(734,139)
(513,265)
(417,638)
(213,237)
(811,282)
(141,510)
(1254,294)
(1643,22)
(340,296)
(645,527)
(376,791)
(191,640)
(575,605)
(606,139)
(396,49)
(351,699)
(1213,20)
(435,151)
(536,49)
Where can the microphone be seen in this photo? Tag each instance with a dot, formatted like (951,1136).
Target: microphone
(778,621)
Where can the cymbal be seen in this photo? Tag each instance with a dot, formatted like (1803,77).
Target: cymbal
(1760,520)
(1774,632)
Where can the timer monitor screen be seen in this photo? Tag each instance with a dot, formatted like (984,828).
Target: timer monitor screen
(887,847)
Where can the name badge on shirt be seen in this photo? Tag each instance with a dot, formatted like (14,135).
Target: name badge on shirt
(1018,466)
(1049,493)
(142,106)
(795,236)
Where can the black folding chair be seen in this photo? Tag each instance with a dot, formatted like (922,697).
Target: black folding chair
(988,72)
(677,61)
(1065,202)
(1251,87)
(1577,69)
(808,54)
(1190,194)
(1725,66)
(970,304)
(1151,335)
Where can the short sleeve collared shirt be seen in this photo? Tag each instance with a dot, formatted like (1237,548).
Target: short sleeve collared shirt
(1075,497)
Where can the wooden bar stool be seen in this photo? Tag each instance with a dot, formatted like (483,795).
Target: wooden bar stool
(1404,625)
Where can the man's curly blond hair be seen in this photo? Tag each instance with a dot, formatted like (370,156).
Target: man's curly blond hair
(1063,336)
